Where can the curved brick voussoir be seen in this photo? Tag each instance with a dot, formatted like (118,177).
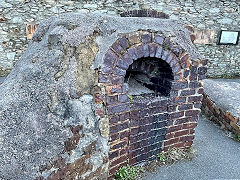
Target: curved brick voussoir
(110,59)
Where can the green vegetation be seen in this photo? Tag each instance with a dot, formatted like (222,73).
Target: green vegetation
(128,172)
(130,98)
(175,154)
(162,157)
(236,137)
(165,47)
(171,156)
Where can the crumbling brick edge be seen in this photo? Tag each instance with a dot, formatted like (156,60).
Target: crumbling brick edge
(216,114)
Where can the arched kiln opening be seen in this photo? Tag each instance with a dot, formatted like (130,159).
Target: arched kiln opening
(149,76)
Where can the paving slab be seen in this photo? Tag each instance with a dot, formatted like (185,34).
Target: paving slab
(217,157)
(225,93)
(2,79)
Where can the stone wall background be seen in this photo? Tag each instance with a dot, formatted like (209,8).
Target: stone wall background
(224,61)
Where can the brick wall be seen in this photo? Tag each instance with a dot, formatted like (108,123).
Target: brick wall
(216,114)
(142,126)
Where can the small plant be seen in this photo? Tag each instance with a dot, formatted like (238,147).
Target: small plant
(236,137)
(128,172)
(162,157)
(130,98)
(165,46)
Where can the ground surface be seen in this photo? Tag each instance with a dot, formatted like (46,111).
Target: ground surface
(225,93)
(1,79)
(217,157)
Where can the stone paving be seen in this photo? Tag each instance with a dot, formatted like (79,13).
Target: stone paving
(217,157)
(225,93)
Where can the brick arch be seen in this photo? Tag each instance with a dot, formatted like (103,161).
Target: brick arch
(125,51)
(118,108)
(145,13)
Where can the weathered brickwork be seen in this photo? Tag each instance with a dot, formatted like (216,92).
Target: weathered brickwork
(216,114)
(92,94)
(141,126)
(216,15)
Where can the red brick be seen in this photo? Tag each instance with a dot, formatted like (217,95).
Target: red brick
(192,113)
(118,161)
(112,100)
(114,137)
(124,151)
(191,131)
(147,38)
(176,115)
(113,170)
(118,145)
(118,127)
(181,133)
(184,58)
(194,98)
(98,98)
(99,112)
(117,47)
(172,108)
(117,79)
(169,136)
(124,116)
(174,128)
(140,51)
(113,89)
(187,138)
(124,43)
(188,144)
(118,108)
(200,91)
(124,134)
(113,154)
(110,58)
(179,99)
(185,107)
(182,120)
(152,49)
(187,92)
(189,126)
(113,119)
(171,141)
(158,39)
(179,85)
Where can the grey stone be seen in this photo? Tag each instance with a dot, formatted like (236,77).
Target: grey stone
(17,19)
(90,6)
(224,92)
(11,55)
(225,21)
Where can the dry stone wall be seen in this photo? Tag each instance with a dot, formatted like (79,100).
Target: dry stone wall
(211,14)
